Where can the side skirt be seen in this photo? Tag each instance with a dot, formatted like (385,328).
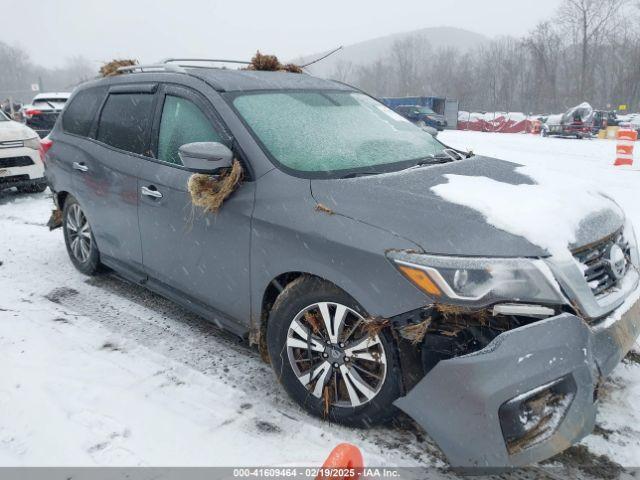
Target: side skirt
(208,313)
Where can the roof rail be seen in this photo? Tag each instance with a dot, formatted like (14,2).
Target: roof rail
(151,68)
(169,61)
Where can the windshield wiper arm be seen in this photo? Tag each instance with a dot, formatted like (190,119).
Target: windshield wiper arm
(359,174)
(433,160)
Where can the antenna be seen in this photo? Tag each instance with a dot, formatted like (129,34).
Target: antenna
(322,58)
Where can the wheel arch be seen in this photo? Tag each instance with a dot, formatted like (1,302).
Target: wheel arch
(269,295)
(61,198)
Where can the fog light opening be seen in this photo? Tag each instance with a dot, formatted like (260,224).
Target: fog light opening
(532,417)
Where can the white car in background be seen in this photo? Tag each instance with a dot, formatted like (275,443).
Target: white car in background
(20,157)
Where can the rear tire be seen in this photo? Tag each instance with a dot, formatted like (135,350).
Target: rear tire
(355,375)
(78,237)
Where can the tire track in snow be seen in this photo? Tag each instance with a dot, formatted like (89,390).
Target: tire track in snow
(140,317)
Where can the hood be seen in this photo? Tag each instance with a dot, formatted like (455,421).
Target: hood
(475,207)
(15,131)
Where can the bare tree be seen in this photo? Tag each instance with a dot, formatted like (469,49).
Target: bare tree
(343,71)
(590,21)
(409,56)
(545,46)
(15,65)
(19,73)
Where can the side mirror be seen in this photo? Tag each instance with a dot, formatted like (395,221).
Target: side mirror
(205,157)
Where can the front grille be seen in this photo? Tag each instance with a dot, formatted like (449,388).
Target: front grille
(15,162)
(597,268)
(13,179)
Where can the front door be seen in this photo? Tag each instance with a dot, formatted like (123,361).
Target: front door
(204,256)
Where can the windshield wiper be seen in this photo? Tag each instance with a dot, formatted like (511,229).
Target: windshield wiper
(432,160)
(359,174)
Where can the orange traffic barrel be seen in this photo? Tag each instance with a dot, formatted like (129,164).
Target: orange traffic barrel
(536,126)
(343,463)
(624,148)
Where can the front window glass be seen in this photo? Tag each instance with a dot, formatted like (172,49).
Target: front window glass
(316,131)
(182,122)
(3,118)
(425,110)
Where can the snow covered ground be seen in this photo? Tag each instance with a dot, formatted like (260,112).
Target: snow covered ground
(96,371)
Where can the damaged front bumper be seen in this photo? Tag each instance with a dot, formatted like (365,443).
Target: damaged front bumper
(528,395)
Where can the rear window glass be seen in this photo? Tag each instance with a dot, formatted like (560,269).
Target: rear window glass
(79,115)
(50,101)
(126,120)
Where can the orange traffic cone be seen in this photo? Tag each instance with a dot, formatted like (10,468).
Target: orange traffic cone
(343,463)
(624,148)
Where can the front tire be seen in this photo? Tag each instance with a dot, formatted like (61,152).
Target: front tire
(78,237)
(327,359)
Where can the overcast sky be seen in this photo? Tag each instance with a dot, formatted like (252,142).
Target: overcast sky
(52,30)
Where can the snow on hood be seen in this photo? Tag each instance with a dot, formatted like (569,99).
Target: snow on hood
(403,204)
(15,131)
(555,213)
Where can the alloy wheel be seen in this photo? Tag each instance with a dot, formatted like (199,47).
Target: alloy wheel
(335,356)
(79,233)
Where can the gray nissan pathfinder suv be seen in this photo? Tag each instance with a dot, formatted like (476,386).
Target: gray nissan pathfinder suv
(367,288)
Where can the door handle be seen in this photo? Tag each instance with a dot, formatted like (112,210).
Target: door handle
(151,192)
(80,166)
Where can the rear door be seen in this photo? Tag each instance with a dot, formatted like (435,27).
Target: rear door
(203,256)
(108,178)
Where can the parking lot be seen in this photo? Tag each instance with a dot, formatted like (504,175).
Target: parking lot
(113,365)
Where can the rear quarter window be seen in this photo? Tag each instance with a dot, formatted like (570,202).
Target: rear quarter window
(78,117)
(126,120)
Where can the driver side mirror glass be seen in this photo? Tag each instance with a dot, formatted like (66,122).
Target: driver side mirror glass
(205,157)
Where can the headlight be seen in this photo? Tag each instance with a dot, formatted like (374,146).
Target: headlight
(630,236)
(480,280)
(33,143)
